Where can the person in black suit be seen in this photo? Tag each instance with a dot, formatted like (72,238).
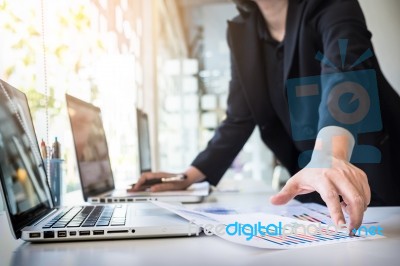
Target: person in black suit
(272,42)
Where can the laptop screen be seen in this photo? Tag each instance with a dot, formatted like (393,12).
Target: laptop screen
(23,178)
(144,141)
(90,147)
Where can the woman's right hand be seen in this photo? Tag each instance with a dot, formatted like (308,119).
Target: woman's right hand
(193,175)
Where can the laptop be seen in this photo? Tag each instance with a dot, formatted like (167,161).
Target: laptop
(94,165)
(27,196)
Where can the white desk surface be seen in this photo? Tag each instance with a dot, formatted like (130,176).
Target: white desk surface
(207,250)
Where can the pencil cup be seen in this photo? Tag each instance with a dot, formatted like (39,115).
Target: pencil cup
(56,181)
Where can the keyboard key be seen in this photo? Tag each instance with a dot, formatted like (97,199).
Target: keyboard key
(118,224)
(88,224)
(102,224)
(59,226)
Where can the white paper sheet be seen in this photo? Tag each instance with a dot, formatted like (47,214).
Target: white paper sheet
(244,229)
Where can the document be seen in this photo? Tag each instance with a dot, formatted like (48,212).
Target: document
(264,230)
(312,212)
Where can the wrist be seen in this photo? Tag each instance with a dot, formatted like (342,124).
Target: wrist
(333,141)
(194,175)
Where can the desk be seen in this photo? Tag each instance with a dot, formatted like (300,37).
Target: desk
(207,250)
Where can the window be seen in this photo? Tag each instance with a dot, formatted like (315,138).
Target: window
(93,51)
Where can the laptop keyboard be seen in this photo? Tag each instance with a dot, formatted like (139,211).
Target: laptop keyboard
(89,216)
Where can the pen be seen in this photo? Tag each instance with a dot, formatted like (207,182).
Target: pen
(56,149)
(154,181)
(43,149)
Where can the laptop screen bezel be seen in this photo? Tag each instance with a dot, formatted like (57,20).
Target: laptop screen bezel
(19,221)
(94,192)
(139,116)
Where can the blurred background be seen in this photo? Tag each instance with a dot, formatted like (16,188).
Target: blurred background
(168,57)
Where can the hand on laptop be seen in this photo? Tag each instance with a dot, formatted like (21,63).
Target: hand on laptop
(192,175)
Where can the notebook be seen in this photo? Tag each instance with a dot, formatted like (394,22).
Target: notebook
(94,165)
(27,196)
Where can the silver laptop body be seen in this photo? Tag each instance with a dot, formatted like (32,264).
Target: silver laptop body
(27,196)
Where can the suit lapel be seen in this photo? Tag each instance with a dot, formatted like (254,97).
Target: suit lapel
(249,60)
(248,56)
(294,15)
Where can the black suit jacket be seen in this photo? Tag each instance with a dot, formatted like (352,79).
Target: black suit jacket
(312,26)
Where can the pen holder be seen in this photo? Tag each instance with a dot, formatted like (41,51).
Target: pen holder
(56,180)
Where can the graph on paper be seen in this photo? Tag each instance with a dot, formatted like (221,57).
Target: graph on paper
(305,214)
(322,211)
(299,238)
(311,212)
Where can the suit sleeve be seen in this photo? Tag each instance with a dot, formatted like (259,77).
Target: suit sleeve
(343,22)
(230,136)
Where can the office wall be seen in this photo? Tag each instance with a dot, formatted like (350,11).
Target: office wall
(383,21)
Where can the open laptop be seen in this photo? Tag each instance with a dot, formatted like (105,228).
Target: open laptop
(94,163)
(27,196)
